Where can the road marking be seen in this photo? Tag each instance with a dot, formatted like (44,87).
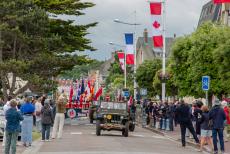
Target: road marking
(89,124)
(159,137)
(137,135)
(76,133)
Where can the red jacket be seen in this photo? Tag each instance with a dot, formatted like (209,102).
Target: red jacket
(226,110)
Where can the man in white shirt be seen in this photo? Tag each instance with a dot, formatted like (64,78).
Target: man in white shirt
(5,108)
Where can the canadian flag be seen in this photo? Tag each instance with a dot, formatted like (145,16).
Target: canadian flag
(121,57)
(156,15)
(221,1)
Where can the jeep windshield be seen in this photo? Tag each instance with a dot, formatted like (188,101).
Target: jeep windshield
(113,105)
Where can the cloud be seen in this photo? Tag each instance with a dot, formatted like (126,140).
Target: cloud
(181,18)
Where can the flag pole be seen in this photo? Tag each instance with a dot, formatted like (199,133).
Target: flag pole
(125,73)
(164,48)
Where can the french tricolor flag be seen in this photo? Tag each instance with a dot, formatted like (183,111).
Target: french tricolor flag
(129,49)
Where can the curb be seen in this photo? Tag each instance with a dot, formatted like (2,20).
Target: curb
(190,143)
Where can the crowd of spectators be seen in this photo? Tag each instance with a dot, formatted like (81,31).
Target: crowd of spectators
(196,120)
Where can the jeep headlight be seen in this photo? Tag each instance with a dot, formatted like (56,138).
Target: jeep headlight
(122,117)
(109,117)
(104,116)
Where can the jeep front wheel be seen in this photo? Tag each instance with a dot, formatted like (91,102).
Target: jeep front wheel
(125,131)
(98,128)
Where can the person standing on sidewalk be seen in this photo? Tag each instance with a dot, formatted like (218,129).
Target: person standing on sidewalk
(227,122)
(217,116)
(59,117)
(46,120)
(13,118)
(197,115)
(38,107)
(27,109)
(5,108)
(183,115)
(206,130)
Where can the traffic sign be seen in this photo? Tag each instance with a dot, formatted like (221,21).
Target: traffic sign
(205,83)
(143,91)
(126,93)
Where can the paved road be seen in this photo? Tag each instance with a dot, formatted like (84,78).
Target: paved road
(81,139)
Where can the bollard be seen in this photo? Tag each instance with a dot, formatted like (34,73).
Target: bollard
(163,124)
(167,125)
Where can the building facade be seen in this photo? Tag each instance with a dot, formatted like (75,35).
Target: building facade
(146,51)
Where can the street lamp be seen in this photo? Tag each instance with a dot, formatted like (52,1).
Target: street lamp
(132,24)
(125,72)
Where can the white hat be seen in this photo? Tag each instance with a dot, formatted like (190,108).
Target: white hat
(224,103)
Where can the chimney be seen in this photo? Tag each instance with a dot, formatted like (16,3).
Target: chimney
(145,34)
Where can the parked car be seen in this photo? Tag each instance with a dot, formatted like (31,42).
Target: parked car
(2,124)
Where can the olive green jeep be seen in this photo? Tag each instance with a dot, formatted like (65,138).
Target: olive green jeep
(112,116)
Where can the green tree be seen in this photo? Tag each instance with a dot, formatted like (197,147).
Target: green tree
(204,52)
(146,73)
(33,45)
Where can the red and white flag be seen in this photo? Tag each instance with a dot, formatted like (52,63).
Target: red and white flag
(221,1)
(98,94)
(121,57)
(156,15)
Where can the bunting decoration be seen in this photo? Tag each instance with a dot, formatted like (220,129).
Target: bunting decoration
(156,14)
(129,49)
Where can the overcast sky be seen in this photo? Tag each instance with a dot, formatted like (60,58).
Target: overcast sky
(181,18)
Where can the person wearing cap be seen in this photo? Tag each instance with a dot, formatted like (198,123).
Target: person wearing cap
(217,116)
(46,120)
(59,117)
(13,118)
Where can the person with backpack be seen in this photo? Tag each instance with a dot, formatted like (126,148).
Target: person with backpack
(206,130)
(46,120)
(217,117)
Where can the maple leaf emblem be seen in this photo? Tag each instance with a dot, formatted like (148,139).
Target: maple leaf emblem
(156,24)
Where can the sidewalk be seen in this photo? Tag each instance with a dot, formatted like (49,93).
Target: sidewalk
(175,135)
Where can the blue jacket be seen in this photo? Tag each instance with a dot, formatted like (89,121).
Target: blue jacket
(27,108)
(218,117)
(13,118)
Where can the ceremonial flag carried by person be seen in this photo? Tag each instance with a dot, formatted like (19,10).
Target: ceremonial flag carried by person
(121,57)
(87,92)
(156,14)
(82,87)
(221,1)
(71,95)
(130,101)
(98,94)
(129,49)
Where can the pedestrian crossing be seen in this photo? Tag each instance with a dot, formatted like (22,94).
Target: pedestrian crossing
(119,134)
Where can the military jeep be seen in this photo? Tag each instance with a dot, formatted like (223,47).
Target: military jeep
(112,116)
